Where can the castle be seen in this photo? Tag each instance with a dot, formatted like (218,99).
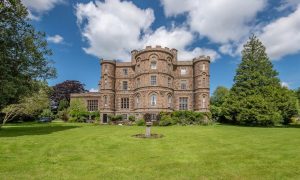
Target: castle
(153,81)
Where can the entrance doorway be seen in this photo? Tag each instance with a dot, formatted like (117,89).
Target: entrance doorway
(104,118)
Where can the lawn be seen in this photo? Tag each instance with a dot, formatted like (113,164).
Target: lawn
(86,151)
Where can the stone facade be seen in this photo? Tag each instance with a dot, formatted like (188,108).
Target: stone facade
(152,82)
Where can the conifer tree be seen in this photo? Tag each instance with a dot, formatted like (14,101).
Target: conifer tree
(257,97)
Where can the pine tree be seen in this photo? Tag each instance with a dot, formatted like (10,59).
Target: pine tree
(257,97)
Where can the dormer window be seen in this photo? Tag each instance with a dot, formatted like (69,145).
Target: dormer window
(153,65)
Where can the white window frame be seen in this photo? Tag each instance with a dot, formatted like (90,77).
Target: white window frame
(153,99)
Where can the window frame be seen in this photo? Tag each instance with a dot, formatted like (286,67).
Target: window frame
(125,103)
(92,105)
(183,103)
(125,84)
(153,82)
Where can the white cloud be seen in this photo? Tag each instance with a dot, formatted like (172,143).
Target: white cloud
(222,21)
(285,84)
(113,28)
(282,37)
(93,90)
(38,7)
(56,39)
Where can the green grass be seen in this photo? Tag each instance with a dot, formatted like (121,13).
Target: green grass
(83,151)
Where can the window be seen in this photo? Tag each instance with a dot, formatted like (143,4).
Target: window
(169,82)
(138,81)
(153,100)
(125,71)
(169,101)
(203,102)
(183,71)
(92,105)
(203,67)
(153,117)
(105,68)
(153,80)
(105,100)
(138,101)
(203,82)
(124,103)
(124,117)
(105,83)
(183,103)
(153,65)
(125,85)
(183,85)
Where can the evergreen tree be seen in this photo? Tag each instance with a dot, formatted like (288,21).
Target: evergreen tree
(216,101)
(257,97)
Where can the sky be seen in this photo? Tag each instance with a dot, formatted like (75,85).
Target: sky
(80,33)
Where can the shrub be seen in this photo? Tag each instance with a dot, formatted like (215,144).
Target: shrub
(77,111)
(147,117)
(131,118)
(165,120)
(63,104)
(63,115)
(140,122)
(46,113)
(115,118)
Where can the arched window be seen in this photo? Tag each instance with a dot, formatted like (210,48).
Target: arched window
(138,81)
(153,65)
(169,100)
(105,100)
(105,83)
(137,100)
(203,67)
(203,102)
(153,99)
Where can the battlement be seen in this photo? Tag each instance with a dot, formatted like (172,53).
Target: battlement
(201,58)
(172,52)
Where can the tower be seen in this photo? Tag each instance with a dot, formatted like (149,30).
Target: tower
(201,83)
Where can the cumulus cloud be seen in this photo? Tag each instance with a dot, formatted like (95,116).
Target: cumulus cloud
(38,7)
(93,90)
(285,84)
(221,21)
(56,39)
(113,28)
(282,37)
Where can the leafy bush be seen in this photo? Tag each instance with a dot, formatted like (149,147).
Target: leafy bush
(147,117)
(63,115)
(63,104)
(115,119)
(77,111)
(165,120)
(190,118)
(140,122)
(46,113)
(131,118)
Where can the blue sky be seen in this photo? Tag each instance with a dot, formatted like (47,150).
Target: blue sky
(82,32)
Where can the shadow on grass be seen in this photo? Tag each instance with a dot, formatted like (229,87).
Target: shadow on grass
(12,131)
(246,126)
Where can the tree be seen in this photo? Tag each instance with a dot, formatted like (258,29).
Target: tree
(23,54)
(257,97)
(63,90)
(218,98)
(31,105)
